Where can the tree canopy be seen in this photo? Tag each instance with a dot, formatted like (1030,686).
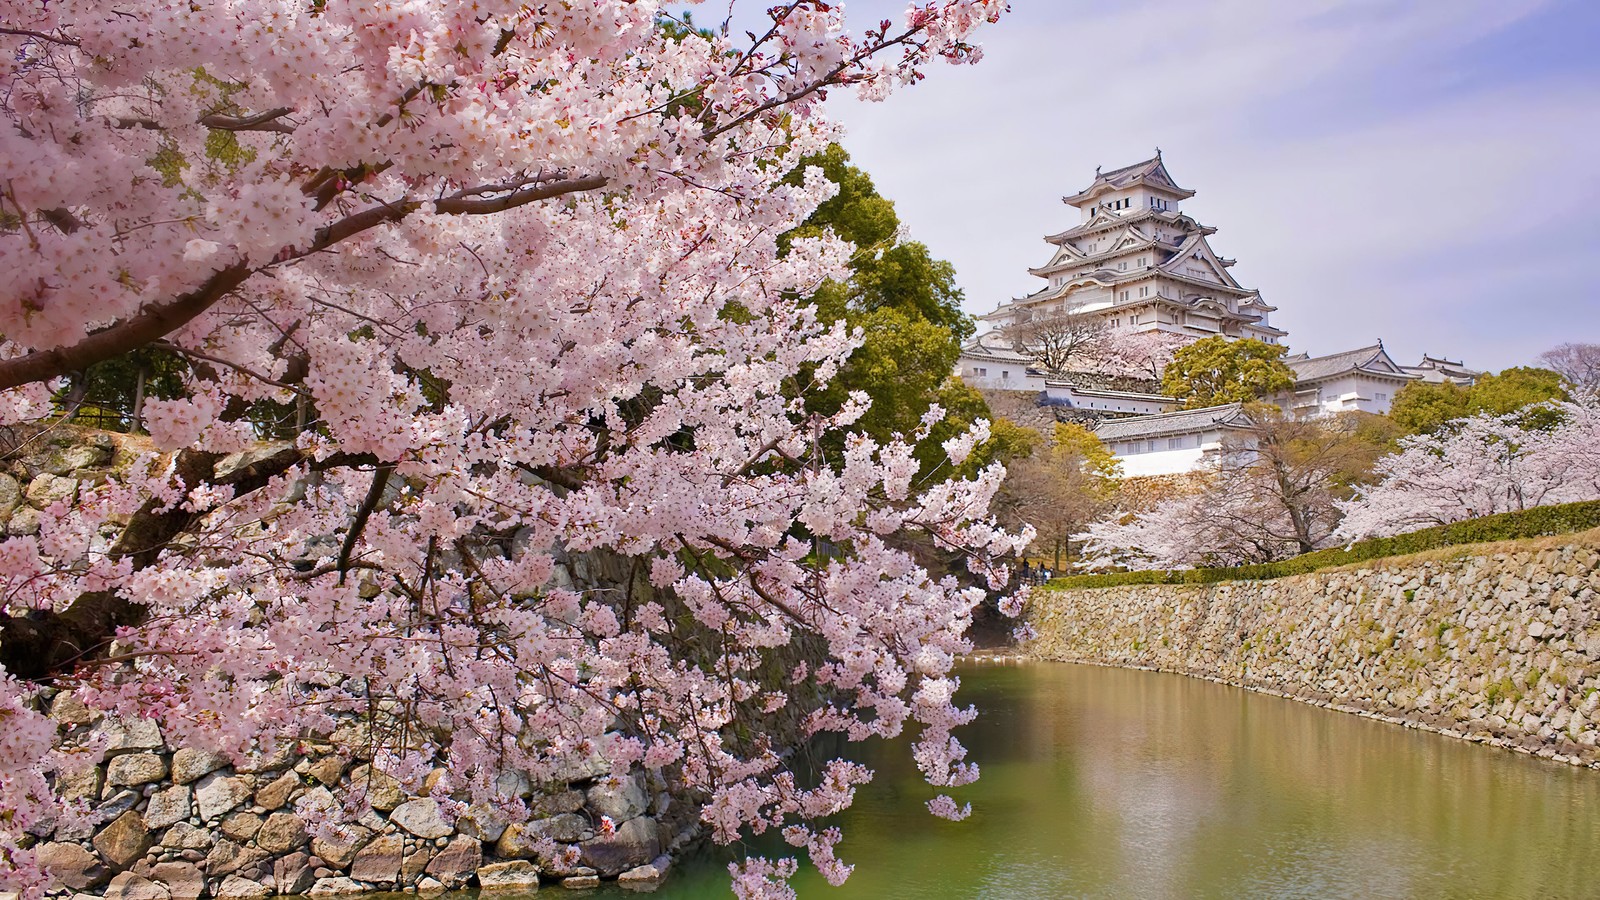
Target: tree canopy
(519,264)
(1215,370)
(1426,407)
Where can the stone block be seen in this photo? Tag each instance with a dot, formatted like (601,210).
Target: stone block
(281,833)
(192,765)
(379,861)
(46,489)
(133,769)
(280,791)
(328,769)
(129,735)
(336,887)
(581,882)
(240,826)
(236,888)
(183,836)
(293,874)
(182,879)
(340,850)
(215,795)
(228,857)
(634,843)
(422,818)
(383,791)
(457,861)
(620,798)
(124,841)
(169,807)
(518,874)
(71,866)
(65,707)
(129,886)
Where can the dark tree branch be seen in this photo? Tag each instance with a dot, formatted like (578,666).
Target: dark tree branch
(157,321)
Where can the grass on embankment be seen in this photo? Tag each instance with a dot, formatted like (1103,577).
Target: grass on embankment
(1541,521)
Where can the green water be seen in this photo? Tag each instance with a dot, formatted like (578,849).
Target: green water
(1105,783)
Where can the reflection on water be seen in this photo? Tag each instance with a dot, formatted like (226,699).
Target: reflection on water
(1107,783)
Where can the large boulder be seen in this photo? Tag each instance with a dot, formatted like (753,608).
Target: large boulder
(379,861)
(634,843)
(518,874)
(422,818)
(453,865)
(124,841)
(71,866)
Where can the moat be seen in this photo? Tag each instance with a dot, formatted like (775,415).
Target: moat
(1110,783)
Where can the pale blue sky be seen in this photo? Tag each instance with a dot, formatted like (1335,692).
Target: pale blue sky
(1423,172)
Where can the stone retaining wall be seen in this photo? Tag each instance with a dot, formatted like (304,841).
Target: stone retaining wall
(1494,643)
(181,824)
(169,823)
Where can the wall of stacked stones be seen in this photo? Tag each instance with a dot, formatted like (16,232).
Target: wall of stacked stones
(173,823)
(1495,643)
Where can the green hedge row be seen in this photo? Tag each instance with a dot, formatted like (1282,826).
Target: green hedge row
(1537,522)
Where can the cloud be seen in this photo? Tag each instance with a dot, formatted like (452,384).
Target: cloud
(1379,169)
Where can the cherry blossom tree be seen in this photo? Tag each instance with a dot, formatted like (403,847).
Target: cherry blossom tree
(1484,464)
(1271,492)
(517,265)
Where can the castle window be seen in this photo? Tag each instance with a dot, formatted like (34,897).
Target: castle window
(981,373)
(1133,320)
(1144,292)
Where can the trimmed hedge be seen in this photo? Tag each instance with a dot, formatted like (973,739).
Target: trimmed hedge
(1529,523)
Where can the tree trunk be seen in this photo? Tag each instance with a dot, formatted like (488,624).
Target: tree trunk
(136,416)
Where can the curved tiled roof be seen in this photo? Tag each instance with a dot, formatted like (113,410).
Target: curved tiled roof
(1188,421)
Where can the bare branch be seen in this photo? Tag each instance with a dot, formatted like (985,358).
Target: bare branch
(262,121)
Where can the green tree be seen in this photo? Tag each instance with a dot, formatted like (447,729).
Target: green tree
(909,310)
(1514,388)
(1216,370)
(1423,407)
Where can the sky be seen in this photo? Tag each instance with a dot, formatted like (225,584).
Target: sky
(1426,173)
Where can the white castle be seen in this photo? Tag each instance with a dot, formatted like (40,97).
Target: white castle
(1136,260)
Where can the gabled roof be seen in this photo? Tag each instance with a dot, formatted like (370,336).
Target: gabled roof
(1197,248)
(1373,360)
(1106,220)
(1151,172)
(1188,421)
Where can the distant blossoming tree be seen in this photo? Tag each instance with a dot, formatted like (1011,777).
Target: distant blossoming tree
(1482,465)
(517,263)
(1272,492)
